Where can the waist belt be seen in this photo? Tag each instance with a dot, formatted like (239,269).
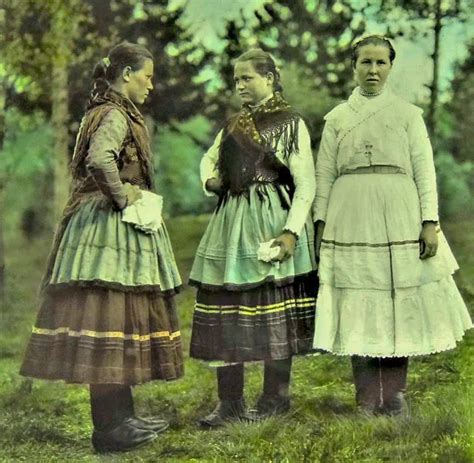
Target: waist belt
(375,170)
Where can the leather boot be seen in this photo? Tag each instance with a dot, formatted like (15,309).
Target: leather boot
(114,431)
(150,423)
(394,381)
(367,381)
(276,383)
(231,405)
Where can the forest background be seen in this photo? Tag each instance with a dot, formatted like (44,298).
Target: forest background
(47,52)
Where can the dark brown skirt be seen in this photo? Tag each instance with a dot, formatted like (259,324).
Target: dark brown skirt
(97,335)
(265,323)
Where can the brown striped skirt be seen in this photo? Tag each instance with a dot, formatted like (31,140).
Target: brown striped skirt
(269,322)
(99,335)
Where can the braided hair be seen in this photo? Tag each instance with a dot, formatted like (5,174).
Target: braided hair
(109,68)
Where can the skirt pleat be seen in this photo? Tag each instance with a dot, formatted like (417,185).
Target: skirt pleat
(97,247)
(377,297)
(107,312)
(246,309)
(227,254)
(100,335)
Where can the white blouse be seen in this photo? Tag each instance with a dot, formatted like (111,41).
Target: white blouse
(300,164)
(383,131)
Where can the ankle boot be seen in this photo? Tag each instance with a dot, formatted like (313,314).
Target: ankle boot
(394,379)
(112,414)
(155,424)
(224,412)
(367,381)
(276,382)
(231,405)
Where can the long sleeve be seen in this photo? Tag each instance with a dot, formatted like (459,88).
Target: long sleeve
(208,167)
(301,165)
(421,155)
(326,172)
(104,148)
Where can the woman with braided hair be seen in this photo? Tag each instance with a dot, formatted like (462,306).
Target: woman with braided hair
(255,269)
(107,316)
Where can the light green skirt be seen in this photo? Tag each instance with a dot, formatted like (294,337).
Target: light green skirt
(227,254)
(98,248)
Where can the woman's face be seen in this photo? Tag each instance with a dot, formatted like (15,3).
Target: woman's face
(138,83)
(372,67)
(250,85)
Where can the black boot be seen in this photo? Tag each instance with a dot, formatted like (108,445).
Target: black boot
(231,405)
(276,384)
(112,416)
(150,423)
(367,380)
(394,381)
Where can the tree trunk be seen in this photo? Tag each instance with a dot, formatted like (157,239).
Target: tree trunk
(2,177)
(59,107)
(431,119)
(59,119)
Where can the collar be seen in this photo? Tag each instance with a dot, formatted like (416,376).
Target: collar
(260,103)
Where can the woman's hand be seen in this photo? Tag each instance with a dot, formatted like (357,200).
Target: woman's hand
(318,236)
(132,192)
(428,240)
(287,243)
(214,185)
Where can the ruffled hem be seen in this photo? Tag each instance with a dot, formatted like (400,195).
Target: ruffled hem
(381,354)
(270,281)
(377,323)
(115,286)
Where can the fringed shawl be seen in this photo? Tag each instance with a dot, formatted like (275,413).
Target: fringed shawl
(250,140)
(94,116)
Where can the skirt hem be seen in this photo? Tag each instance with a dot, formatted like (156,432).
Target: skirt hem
(397,354)
(269,281)
(114,285)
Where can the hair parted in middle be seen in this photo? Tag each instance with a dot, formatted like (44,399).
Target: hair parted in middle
(263,63)
(372,39)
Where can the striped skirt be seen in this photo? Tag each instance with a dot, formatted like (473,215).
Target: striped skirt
(246,309)
(108,313)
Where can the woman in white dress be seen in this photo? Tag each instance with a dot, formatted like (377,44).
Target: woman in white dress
(386,288)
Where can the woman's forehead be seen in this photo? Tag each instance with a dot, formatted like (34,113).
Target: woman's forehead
(244,67)
(373,51)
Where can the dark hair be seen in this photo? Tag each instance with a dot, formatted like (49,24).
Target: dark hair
(263,63)
(109,68)
(372,40)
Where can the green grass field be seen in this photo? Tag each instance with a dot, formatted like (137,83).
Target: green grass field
(50,422)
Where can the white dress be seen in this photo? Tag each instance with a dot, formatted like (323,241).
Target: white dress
(377,297)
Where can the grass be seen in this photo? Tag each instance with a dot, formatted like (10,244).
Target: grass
(49,422)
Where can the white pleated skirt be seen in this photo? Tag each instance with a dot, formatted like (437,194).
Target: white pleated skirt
(377,297)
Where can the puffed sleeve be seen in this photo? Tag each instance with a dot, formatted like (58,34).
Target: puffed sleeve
(421,155)
(301,165)
(101,159)
(326,171)
(208,167)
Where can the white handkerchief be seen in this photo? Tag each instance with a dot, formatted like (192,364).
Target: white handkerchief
(145,213)
(266,253)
